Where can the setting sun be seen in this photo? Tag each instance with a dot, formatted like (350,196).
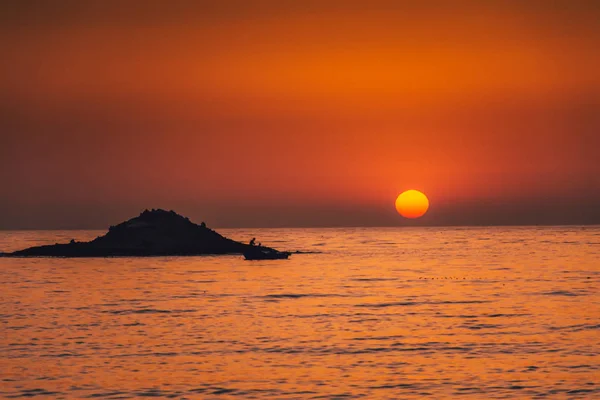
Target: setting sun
(412,204)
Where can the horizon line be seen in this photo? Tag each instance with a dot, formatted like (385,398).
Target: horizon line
(591,224)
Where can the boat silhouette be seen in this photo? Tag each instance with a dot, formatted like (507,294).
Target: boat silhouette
(265,253)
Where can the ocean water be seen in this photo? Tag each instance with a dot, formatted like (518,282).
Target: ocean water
(369,313)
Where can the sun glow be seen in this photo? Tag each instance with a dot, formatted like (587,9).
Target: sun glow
(412,204)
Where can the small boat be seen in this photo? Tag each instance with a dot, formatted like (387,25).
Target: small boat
(266,254)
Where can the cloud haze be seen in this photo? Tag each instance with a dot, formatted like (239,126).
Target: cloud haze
(299,113)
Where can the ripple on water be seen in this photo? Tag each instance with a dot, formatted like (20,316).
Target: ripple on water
(419,303)
(32,393)
(439,313)
(149,311)
(301,295)
(562,293)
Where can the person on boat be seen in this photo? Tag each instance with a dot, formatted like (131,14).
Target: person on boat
(252,241)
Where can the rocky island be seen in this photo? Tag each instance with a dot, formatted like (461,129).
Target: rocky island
(152,233)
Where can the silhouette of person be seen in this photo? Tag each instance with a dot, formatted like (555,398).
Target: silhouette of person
(252,241)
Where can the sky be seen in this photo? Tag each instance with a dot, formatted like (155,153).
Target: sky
(287,113)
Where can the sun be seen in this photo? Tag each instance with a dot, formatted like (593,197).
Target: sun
(412,204)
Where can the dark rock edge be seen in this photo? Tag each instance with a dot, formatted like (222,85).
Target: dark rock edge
(155,233)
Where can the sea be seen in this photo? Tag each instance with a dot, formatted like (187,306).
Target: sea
(369,313)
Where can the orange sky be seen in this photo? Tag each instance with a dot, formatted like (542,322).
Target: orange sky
(288,113)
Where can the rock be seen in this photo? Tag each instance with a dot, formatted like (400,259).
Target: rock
(152,233)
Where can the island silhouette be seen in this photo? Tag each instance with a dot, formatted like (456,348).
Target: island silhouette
(153,233)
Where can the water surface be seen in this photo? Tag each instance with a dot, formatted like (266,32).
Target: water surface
(370,313)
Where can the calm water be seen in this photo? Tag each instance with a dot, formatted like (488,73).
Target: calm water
(375,313)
